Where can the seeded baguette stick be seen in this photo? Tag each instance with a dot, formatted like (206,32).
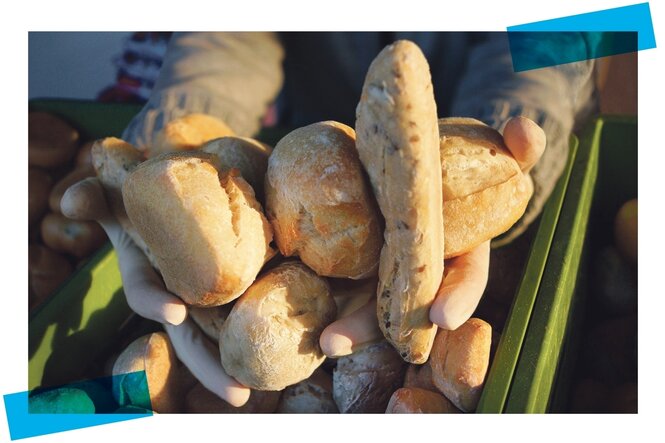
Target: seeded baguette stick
(398,143)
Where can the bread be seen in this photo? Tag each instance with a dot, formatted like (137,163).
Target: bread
(311,396)
(52,142)
(270,340)
(459,360)
(364,380)
(59,189)
(113,159)
(248,155)
(39,187)
(205,228)
(484,190)
(187,133)
(419,401)
(47,271)
(199,400)
(210,320)
(75,237)
(84,155)
(154,354)
(319,203)
(398,144)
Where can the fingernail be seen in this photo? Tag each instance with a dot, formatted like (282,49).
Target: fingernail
(336,345)
(175,314)
(450,314)
(236,396)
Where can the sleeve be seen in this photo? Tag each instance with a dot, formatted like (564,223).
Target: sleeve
(553,97)
(232,76)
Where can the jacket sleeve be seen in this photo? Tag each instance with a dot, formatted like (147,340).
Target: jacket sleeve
(554,97)
(232,76)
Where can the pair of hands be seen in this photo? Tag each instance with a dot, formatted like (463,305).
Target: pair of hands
(457,298)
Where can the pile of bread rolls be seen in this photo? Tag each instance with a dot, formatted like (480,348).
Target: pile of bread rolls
(57,159)
(270,246)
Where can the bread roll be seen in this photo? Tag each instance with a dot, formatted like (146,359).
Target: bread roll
(153,354)
(47,271)
(398,143)
(484,190)
(59,189)
(78,238)
(205,229)
(199,400)
(113,159)
(187,133)
(311,396)
(52,142)
(419,401)
(210,320)
(84,155)
(459,360)
(246,154)
(319,203)
(39,187)
(270,339)
(364,380)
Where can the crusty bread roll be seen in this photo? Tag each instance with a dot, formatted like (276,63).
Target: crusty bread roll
(319,203)
(364,380)
(270,339)
(113,159)
(459,360)
(39,187)
(154,354)
(210,320)
(419,401)
(204,227)
(311,396)
(187,133)
(248,155)
(75,237)
(52,142)
(484,190)
(199,400)
(398,143)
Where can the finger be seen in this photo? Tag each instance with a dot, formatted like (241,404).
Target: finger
(525,140)
(144,288)
(462,288)
(85,200)
(343,336)
(201,357)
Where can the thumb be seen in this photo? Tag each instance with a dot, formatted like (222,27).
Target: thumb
(85,200)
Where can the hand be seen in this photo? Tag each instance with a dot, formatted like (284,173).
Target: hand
(465,276)
(148,297)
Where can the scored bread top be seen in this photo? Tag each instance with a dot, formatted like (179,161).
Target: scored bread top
(205,228)
(473,157)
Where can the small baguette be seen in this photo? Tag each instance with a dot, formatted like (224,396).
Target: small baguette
(419,401)
(398,144)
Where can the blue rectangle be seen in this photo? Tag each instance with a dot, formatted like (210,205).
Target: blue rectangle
(77,405)
(581,37)
(540,49)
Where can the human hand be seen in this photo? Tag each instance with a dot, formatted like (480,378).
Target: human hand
(147,295)
(465,276)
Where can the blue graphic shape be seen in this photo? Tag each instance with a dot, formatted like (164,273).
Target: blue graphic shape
(581,37)
(76,405)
